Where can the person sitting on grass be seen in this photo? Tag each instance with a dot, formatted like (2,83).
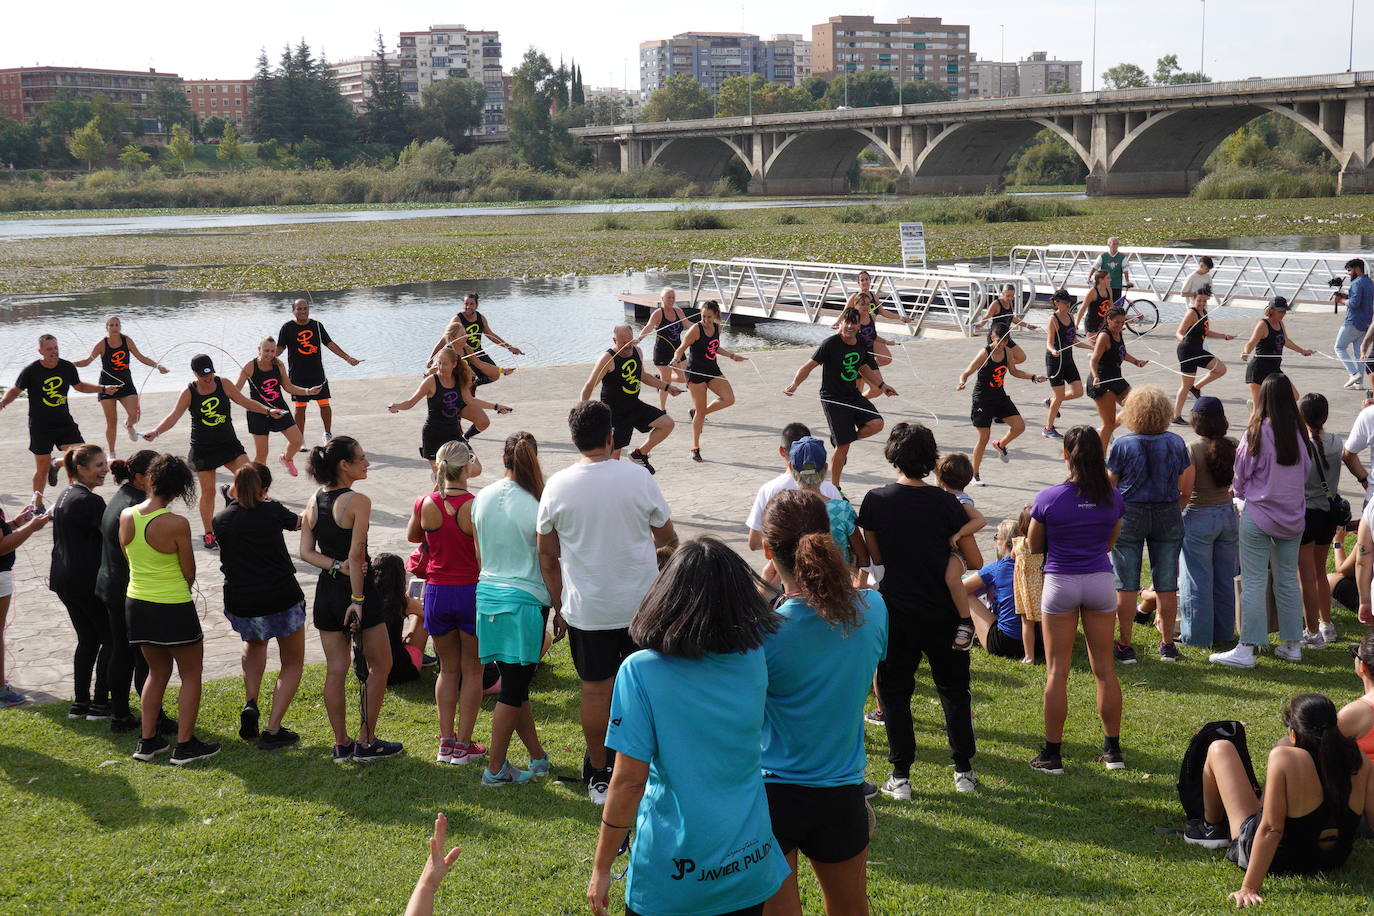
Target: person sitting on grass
(1356,718)
(999,626)
(1306,822)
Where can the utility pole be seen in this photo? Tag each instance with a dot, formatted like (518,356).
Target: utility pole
(1350,67)
(1095,45)
(1202,63)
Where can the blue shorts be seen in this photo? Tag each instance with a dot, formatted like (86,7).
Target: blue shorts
(449,608)
(1158,527)
(273,626)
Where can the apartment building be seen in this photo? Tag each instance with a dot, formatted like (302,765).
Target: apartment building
(352,76)
(226,99)
(1036,75)
(912,48)
(713,57)
(24,90)
(444,51)
(801,55)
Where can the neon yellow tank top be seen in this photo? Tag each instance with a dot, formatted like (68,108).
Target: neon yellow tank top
(153,575)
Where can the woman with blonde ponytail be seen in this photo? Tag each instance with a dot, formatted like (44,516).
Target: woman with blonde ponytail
(821,663)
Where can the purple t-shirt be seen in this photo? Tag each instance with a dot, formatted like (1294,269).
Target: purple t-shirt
(1076,530)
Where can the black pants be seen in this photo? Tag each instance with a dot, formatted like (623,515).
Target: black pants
(515,683)
(127,665)
(92,624)
(909,639)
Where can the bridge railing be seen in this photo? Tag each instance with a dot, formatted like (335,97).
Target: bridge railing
(1239,277)
(812,292)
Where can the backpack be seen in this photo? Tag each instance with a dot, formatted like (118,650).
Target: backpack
(1190,772)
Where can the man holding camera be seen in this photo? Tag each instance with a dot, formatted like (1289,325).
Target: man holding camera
(1359,309)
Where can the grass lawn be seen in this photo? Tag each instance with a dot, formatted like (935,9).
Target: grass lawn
(88,829)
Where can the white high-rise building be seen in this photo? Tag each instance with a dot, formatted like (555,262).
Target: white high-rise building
(442,51)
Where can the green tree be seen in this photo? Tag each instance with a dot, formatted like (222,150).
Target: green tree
(680,98)
(300,98)
(133,158)
(1047,159)
(866,90)
(578,94)
(605,109)
(740,95)
(1125,76)
(113,119)
(181,147)
(230,149)
(916,92)
(386,110)
(19,144)
(815,87)
(452,109)
(1168,72)
(169,105)
(212,128)
(87,143)
(534,137)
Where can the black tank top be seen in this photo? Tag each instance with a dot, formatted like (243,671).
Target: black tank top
(265,386)
(114,363)
(1001,319)
(211,423)
(1096,305)
(1271,344)
(701,358)
(620,384)
(473,329)
(670,330)
(991,376)
(1316,842)
(331,539)
(1194,337)
(1109,364)
(443,407)
(1065,333)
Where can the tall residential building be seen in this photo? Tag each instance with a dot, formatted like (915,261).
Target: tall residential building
(912,48)
(24,90)
(226,99)
(712,58)
(442,51)
(801,55)
(352,76)
(1036,75)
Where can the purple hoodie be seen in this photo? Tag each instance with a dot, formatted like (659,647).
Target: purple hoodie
(1273,493)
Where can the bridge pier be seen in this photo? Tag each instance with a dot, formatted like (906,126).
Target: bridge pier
(1355,181)
(1163,183)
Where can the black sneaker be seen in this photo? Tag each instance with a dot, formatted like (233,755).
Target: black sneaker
(190,751)
(429,661)
(1123,654)
(1046,762)
(1112,760)
(150,748)
(1208,836)
(696,455)
(1193,390)
(121,724)
(869,789)
(52,474)
(78,710)
(1168,652)
(1179,421)
(248,721)
(282,737)
(1001,450)
(599,785)
(98,712)
(642,460)
(377,750)
(344,752)
(1142,616)
(963,637)
(166,725)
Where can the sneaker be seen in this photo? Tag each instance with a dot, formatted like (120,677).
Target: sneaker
(78,710)
(692,414)
(377,750)
(1313,640)
(98,712)
(193,750)
(210,542)
(121,724)
(166,725)
(1290,650)
(599,785)
(467,753)
(696,455)
(344,752)
(290,465)
(976,481)
(1112,760)
(1001,450)
(1328,631)
(52,474)
(1352,382)
(1142,616)
(1179,421)
(963,637)
(447,748)
(1046,762)
(429,661)
(248,721)
(898,787)
(869,789)
(1168,652)
(224,492)
(875,717)
(541,767)
(1242,656)
(1045,403)
(324,439)
(1123,654)
(11,697)
(965,782)
(1194,391)
(133,433)
(149,748)
(507,776)
(1049,432)
(642,460)
(282,737)
(1208,836)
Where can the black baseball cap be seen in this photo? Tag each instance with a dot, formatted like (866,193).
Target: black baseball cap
(1280,304)
(1063,295)
(201,364)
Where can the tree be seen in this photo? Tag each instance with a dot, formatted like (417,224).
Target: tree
(605,109)
(740,96)
(865,91)
(386,108)
(212,128)
(113,119)
(87,143)
(529,114)
(133,158)
(453,109)
(918,91)
(815,87)
(230,149)
(181,147)
(19,146)
(1046,160)
(1169,73)
(169,105)
(299,98)
(680,98)
(1125,76)
(578,94)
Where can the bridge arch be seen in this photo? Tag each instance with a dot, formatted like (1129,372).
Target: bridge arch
(971,157)
(702,159)
(818,161)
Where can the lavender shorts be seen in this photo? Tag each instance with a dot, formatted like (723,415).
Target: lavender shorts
(1065,594)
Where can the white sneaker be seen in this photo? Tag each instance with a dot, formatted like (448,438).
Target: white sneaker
(324,439)
(598,786)
(1290,651)
(965,782)
(1352,382)
(898,788)
(1242,656)
(1313,640)
(1328,631)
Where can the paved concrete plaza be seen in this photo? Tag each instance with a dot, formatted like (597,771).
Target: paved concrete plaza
(740,447)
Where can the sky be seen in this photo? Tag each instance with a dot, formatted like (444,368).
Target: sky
(1244,38)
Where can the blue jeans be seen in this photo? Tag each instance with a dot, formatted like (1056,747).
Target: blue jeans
(1348,347)
(1206,593)
(1158,526)
(1260,554)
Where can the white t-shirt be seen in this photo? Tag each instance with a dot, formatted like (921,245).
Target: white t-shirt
(784,481)
(1195,282)
(602,512)
(1361,433)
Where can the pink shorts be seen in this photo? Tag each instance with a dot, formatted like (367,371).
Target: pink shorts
(417,657)
(1065,594)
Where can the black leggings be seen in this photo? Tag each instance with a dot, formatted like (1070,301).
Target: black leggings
(515,683)
(126,666)
(92,624)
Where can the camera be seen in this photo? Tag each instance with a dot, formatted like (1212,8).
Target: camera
(1337,297)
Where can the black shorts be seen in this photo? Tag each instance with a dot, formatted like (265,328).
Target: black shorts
(846,418)
(431,440)
(260,424)
(126,388)
(1118,387)
(828,824)
(987,410)
(1061,370)
(1260,367)
(480,378)
(43,440)
(333,595)
(663,352)
(1319,527)
(322,397)
(1346,593)
(703,375)
(597,654)
(214,455)
(640,417)
(999,643)
(164,626)
(1190,361)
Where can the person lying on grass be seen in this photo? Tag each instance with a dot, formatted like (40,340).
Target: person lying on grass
(436,867)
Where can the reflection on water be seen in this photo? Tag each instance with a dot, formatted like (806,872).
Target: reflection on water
(1354,244)
(555,321)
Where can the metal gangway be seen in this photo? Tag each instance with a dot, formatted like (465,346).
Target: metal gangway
(1237,277)
(939,303)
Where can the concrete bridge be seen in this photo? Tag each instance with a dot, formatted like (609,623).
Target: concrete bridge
(1133,141)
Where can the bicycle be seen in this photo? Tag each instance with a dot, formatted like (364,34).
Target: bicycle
(1142,315)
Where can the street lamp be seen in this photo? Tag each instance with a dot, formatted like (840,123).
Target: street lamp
(1202,64)
(1094,45)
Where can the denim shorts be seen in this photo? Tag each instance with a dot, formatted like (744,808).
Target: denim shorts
(1158,527)
(272,626)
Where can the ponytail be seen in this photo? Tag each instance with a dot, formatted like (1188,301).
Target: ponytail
(796,529)
(1312,717)
(521,458)
(451,462)
(1314,410)
(324,460)
(1087,467)
(126,469)
(79,456)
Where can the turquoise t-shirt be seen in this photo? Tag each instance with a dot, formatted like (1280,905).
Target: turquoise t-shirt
(819,677)
(703,839)
(843,521)
(505,514)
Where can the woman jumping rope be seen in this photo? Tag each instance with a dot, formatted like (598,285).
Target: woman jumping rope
(701,348)
(113,351)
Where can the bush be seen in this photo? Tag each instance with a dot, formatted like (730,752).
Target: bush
(609,221)
(1000,209)
(865,213)
(788,218)
(1257,184)
(696,219)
